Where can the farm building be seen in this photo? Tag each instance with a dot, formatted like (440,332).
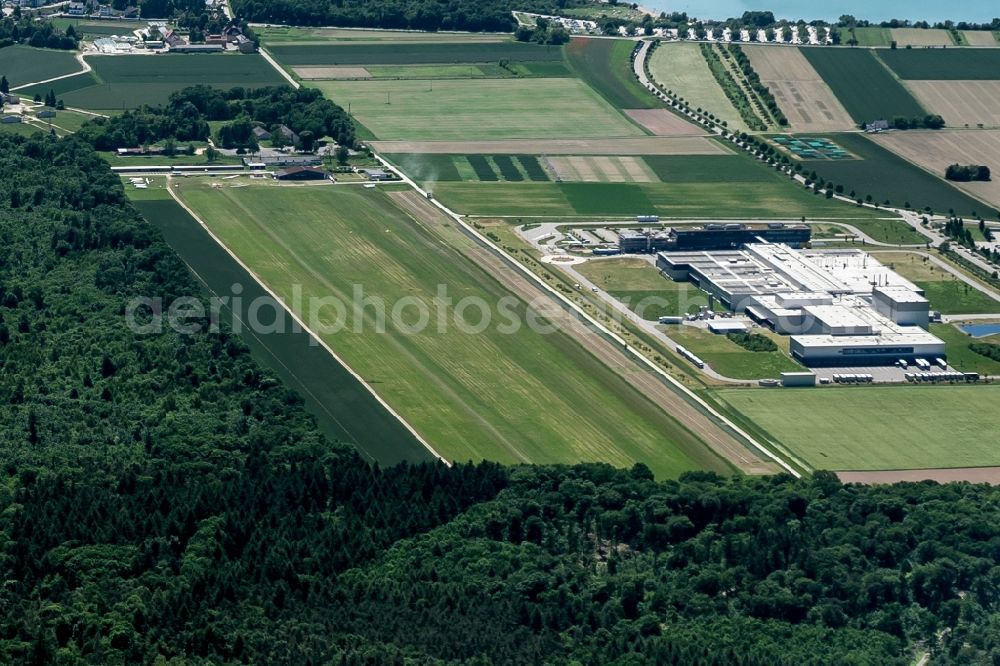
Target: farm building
(46,113)
(8,98)
(261,134)
(197,48)
(301,173)
(376,174)
(10,119)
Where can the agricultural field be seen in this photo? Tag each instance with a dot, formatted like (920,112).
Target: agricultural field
(921,37)
(432,168)
(681,69)
(344,410)
(736,168)
(887,177)
(415,53)
(800,91)
(960,356)
(980,38)
(934,151)
(97,29)
(25,64)
(679,145)
(961,103)
(605,65)
(872,36)
(474,109)
(848,429)
(600,169)
(473,396)
(728,358)
(639,285)
(944,64)
(662,122)
(764,200)
(129,81)
(276,34)
(862,84)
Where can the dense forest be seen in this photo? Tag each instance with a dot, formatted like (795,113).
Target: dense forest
(470,15)
(186,115)
(165,500)
(17,29)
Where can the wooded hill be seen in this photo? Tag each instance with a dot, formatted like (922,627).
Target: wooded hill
(467,15)
(165,500)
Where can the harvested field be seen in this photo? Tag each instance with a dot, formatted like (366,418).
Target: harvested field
(664,123)
(693,145)
(960,102)
(800,91)
(934,151)
(922,37)
(990,475)
(601,169)
(979,37)
(682,69)
(332,72)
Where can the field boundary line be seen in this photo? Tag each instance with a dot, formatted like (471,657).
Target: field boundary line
(609,334)
(301,323)
(281,70)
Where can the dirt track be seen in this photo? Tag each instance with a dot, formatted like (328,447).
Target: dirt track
(717,439)
(807,101)
(960,102)
(989,475)
(675,145)
(934,151)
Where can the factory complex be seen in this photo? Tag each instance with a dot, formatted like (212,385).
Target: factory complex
(841,307)
(713,236)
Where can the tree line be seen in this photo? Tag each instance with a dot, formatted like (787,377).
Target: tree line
(167,500)
(186,118)
(466,15)
(18,29)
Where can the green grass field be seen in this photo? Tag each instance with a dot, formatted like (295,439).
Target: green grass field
(886,176)
(952,296)
(876,428)
(98,28)
(766,200)
(944,64)
(871,36)
(896,232)
(24,64)
(863,85)
(283,34)
(129,81)
(960,356)
(737,168)
(344,410)
(510,396)
(605,65)
(478,109)
(411,53)
(638,284)
(682,69)
(728,358)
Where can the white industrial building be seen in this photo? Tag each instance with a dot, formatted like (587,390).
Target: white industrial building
(841,308)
